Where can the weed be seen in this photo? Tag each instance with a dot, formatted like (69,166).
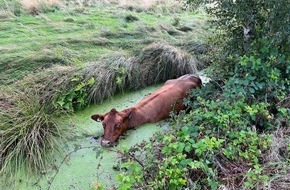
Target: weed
(9,8)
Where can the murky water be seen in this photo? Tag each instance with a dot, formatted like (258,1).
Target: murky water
(86,167)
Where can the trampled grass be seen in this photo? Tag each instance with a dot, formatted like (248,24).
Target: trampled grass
(74,36)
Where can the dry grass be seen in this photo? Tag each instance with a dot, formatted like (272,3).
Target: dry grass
(278,161)
(36,6)
(109,72)
(48,82)
(159,62)
(134,4)
(280,141)
(148,4)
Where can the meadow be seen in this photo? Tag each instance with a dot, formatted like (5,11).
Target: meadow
(75,35)
(59,57)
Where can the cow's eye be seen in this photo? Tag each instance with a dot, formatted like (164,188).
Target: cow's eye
(104,125)
(118,126)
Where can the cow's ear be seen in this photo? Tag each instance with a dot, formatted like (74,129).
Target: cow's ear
(113,110)
(97,117)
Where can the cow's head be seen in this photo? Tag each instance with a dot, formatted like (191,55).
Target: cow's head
(114,123)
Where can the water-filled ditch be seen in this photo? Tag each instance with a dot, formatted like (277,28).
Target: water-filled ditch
(91,164)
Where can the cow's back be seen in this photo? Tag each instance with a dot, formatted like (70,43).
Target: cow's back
(169,97)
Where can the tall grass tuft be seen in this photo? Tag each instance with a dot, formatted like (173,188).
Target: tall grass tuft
(159,62)
(109,73)
(29,137)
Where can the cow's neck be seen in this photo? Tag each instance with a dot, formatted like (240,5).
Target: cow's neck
(137,118)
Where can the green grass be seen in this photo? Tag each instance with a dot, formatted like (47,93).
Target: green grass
(73,37)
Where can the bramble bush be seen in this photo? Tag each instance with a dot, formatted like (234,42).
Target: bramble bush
(194,152)
(227,129)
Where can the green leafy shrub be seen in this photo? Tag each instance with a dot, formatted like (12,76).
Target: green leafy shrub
(193,154)
(246,21)
(76,97)
(260,79)
(226,128)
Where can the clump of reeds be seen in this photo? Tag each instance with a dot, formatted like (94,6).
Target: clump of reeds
(29,137)
(200,50)
(49,83)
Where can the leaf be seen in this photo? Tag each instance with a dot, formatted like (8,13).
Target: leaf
(181,147)
(91,81)
(248,184)
(252,90)
(188,148)
(75,78)
(259,85)
(60,102)
(80,86)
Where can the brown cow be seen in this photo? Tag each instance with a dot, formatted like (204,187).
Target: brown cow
(153,108)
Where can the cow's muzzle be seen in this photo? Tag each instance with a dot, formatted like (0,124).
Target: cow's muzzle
(106,143)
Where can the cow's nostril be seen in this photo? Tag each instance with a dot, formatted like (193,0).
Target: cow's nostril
(105,142)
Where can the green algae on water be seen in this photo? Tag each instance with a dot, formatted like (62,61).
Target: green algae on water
(84,162)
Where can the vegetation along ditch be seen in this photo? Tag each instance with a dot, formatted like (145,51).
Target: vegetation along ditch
(62,60)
